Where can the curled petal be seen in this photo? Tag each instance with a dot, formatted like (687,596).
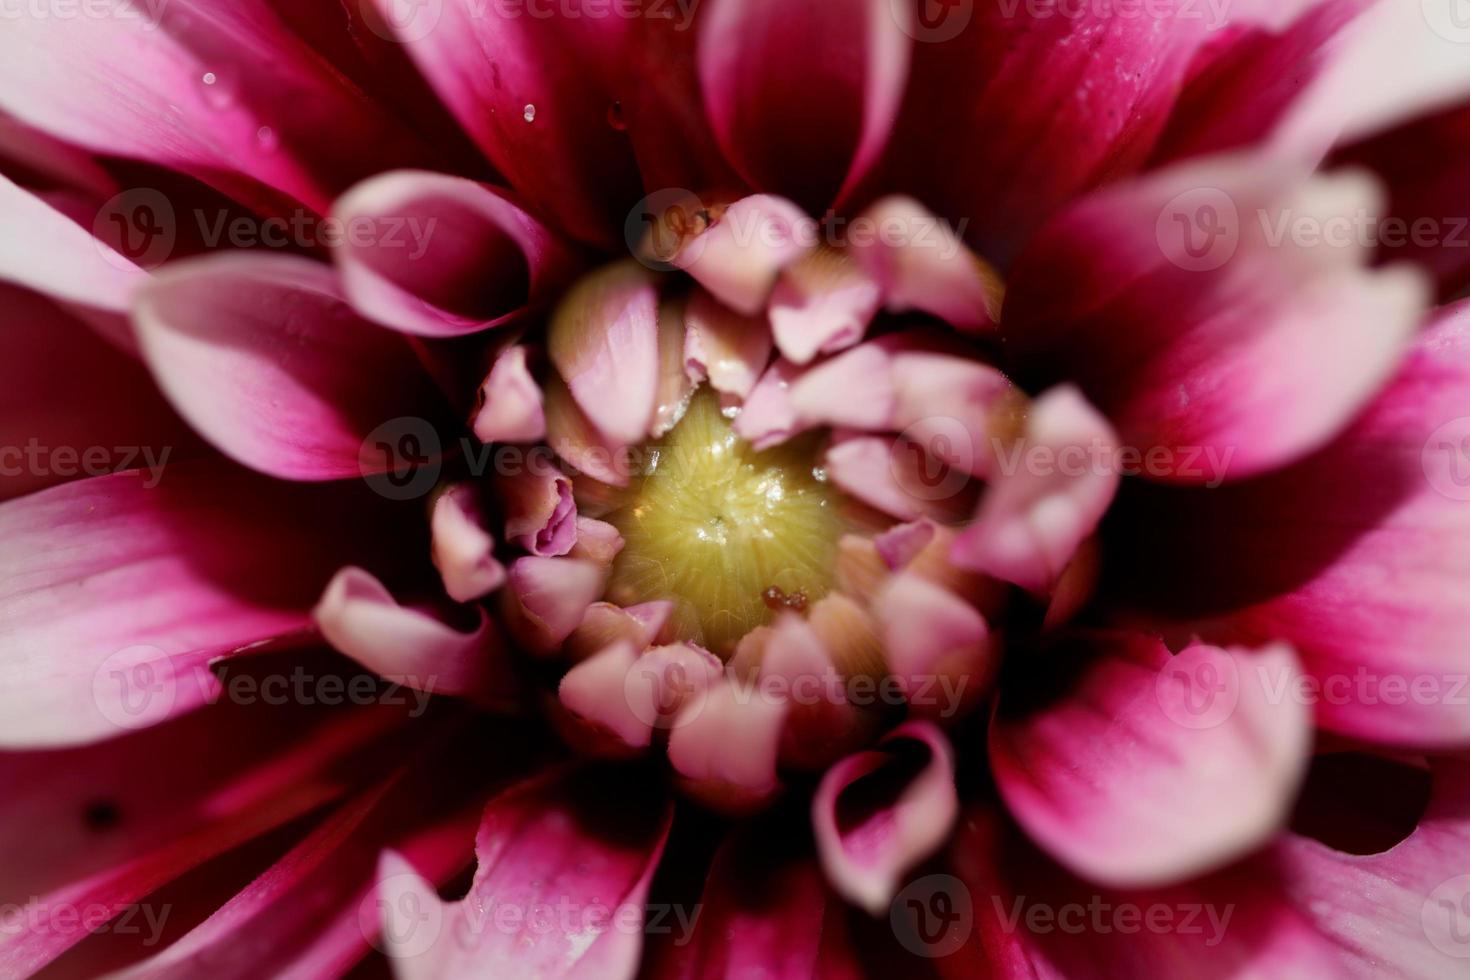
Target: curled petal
(738,257)
(880,812)
(937,645)
(540,515)
(550,596)
(510,402)
(1054,486)
(463,551)
(725,745)
(360,618)
(597,541)
(442,256)
(631,694)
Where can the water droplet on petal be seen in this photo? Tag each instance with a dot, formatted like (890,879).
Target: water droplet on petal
(267,139)
(615,117)
(218,90)
(530,114)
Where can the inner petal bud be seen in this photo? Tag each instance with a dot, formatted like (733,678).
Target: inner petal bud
(731,535)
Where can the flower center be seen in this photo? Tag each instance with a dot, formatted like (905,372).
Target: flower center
(731,535)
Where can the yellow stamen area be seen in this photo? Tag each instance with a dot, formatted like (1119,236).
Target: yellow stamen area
(730,534)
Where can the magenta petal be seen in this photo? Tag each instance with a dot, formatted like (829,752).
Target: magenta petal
(1367,584)
(360,618)
(119,590)
(1401,906)
(45,250)
(532,91)
(510,402)
(1188,339)
(1054,485)
(261,354)
(565,863)
(441,256)
(1151,767)
(880,812)
(848,60)
(463,551)
(74,397)
(184,85)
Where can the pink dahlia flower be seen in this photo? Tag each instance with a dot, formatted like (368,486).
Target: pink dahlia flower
(560,488)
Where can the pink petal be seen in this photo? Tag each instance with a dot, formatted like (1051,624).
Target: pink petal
(920,263)
(1152,768)
(738,257)
(441,256)
(729,349)
(1401,906)
(260,353)
(937,646)
(822,303)
(597,541)
(45,250)
(510,402)
(725,745)
(824,394)
(183,794)
(463,551)
(631,693)
(768,418)
(954,406)
(540,515)
(551,595)
(565,863)
(1192,353)
(120,590)
(898,478)
(1365,584)
(531,92)
(867,844)
(1055,484)
(849,61)
(575,439)
(675,387)
(604,342)
(1031,919)
(72,404)
(360,618)
(183,85)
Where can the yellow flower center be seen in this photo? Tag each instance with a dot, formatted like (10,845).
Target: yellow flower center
(731,535)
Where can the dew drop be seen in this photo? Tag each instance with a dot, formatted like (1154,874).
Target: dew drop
(530,113)
(219,92)
(615,117)
(819,473)
(267,139)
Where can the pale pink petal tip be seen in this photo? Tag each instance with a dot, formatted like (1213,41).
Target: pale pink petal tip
(853,389)
(359,618)
(867,846)
(1154,768)
(822,303)
(551,595)
(463,551)
(1054,485)
(726,744)
(728,348)
(739,256)
(510,402)
(937,646)
(921,264)
(604,341)
(632,694)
